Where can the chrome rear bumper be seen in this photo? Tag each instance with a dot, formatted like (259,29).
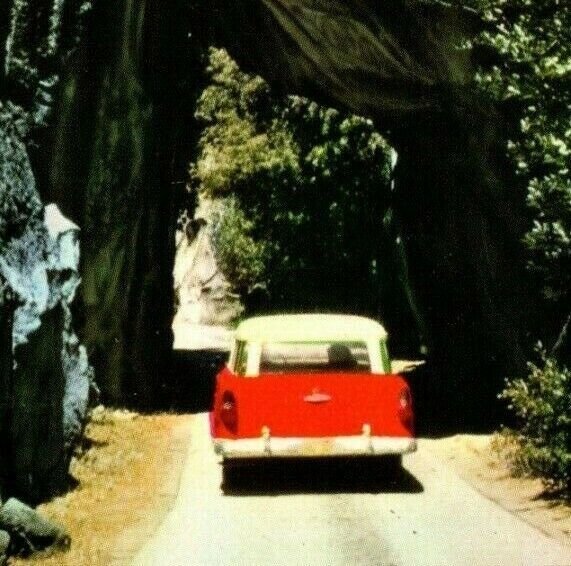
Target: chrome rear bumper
(312,447)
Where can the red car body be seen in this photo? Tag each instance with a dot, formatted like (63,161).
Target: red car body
(360,410)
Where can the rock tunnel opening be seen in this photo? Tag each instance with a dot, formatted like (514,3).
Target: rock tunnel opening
(118,92)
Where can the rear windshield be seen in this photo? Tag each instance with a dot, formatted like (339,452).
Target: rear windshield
(315,357)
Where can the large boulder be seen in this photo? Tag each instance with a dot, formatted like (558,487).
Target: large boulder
(46,378)
(29,532)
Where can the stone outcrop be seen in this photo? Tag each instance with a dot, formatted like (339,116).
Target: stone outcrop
(204,300)
(47,388)
(26,532)
(44,374)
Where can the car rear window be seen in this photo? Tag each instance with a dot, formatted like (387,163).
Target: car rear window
(291,357)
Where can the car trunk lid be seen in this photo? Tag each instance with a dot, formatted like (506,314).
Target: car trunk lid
(316,405)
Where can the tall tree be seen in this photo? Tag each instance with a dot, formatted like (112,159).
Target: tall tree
(312,184)
(528,73)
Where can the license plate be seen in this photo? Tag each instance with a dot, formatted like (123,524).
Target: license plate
(316,447)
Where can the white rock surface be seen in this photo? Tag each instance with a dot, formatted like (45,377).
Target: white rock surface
(206,304)
(41,269)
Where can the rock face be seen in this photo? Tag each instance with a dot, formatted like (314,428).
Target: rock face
(202,292)
(204,301)
(49,383)
(44,373)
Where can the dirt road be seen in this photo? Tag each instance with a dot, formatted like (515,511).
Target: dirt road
(345,514)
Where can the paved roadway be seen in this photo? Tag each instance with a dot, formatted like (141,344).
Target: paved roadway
(317,514)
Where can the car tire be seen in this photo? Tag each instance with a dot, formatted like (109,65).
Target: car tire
(230,474)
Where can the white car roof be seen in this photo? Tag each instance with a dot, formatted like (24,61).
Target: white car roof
(309,328)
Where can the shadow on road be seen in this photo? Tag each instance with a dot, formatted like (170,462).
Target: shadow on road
(339,475)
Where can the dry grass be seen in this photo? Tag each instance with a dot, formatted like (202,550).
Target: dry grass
(128,477)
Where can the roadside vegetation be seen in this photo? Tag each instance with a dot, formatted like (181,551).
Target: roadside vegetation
(304,189)
(127,471)
(539,445)
(527,49)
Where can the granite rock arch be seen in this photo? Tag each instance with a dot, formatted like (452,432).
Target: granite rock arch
(116,90)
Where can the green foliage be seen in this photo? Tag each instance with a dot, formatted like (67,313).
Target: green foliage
(325,227)
(528,48)
(529,77)
(239,255)
(311,181)
(242,141)
(542,402)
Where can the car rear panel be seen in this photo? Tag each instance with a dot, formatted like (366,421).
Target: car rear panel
(312,405)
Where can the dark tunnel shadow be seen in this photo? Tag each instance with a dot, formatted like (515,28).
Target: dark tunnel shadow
(443,408)
(290,476)
(193,378)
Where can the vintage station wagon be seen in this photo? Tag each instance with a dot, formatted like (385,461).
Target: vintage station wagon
(310,385)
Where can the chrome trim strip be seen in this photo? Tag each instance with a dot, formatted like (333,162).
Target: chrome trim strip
(309,447)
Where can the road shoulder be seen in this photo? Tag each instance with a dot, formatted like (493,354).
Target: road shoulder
(472,458)
(128,474)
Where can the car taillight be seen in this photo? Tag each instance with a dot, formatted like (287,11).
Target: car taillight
(404,399)
(229,411)
(405,408)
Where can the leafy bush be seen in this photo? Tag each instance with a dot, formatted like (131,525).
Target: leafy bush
(528,76)
(240,257)
(542,403)
(243,143)
(311,187)
(525,69)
